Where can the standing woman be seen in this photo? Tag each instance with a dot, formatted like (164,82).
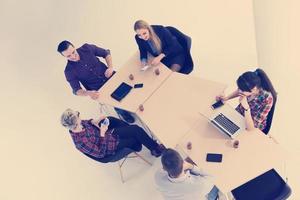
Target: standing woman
(255,97)
(160,43)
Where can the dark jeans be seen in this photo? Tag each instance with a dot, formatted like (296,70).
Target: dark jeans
(121,112)
(130,136)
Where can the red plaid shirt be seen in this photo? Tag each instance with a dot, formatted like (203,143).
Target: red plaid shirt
(260,107)
(89,141)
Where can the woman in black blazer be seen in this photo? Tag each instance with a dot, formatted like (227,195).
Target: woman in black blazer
(160,43)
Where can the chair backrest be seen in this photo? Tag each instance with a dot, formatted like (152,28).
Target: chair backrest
(270,115)
(274,94)
(267,186)
(186,42)
(112,158)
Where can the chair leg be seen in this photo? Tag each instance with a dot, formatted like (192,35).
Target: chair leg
(120,164)
(120,170)
(141,157)
(273,138)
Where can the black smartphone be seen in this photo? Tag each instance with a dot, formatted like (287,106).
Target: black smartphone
(139,85)
(217,104)
(214,157)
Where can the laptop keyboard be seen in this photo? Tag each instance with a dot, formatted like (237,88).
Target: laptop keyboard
(226,123)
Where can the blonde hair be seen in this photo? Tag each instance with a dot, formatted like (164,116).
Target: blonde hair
(68,119)
(141,24)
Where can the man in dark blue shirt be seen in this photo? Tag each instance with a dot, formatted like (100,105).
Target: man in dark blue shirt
(85,68)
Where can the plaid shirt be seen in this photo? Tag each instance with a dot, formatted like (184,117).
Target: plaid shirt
(89,141)
(259,107)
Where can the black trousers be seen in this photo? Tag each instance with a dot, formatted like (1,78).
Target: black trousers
(130,136)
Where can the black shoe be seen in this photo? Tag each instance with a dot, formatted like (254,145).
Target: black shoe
(158,150)
(156,153)
(126,116)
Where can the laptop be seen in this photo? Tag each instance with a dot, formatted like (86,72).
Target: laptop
(227,120)
(121,91)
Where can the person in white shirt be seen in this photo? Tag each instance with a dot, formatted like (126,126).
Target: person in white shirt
(181,180)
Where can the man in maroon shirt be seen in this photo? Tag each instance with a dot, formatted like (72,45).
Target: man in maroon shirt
(85,68)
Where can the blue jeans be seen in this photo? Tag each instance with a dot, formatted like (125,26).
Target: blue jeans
(213,194)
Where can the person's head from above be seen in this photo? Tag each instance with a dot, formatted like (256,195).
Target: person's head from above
(143,29)
(251,83)
(172,162)
(68,50)
(145,32)
(71,120)
(248,84)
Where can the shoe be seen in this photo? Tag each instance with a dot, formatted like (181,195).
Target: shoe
(158,150)
(156,153)
(126,116)
(161,148)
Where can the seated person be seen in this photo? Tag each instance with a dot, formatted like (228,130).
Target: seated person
(160,43)
(85,68)
(181,180)
(256,100)
(98,140)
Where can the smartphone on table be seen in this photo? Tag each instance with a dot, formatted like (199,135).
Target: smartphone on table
(217,104)
(214,157)
(139,85)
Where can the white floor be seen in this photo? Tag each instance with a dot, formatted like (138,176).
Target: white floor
(38,158)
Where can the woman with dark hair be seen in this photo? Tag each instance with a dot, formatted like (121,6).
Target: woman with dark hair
(255,96)
(160,43)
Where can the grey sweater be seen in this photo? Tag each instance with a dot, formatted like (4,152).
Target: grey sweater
(193,185)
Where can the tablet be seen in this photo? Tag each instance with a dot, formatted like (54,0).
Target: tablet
(121,91)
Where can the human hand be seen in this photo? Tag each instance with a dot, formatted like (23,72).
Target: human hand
(243,101)
(221,97)
(103,129)
(143,63)
(156,60)
(187,166)
(93,94)
(108,73)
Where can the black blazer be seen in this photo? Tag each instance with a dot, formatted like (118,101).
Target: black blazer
(170,45)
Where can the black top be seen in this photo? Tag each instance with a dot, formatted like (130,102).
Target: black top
(170,45)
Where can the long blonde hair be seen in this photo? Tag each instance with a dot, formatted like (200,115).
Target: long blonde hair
(141,24)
